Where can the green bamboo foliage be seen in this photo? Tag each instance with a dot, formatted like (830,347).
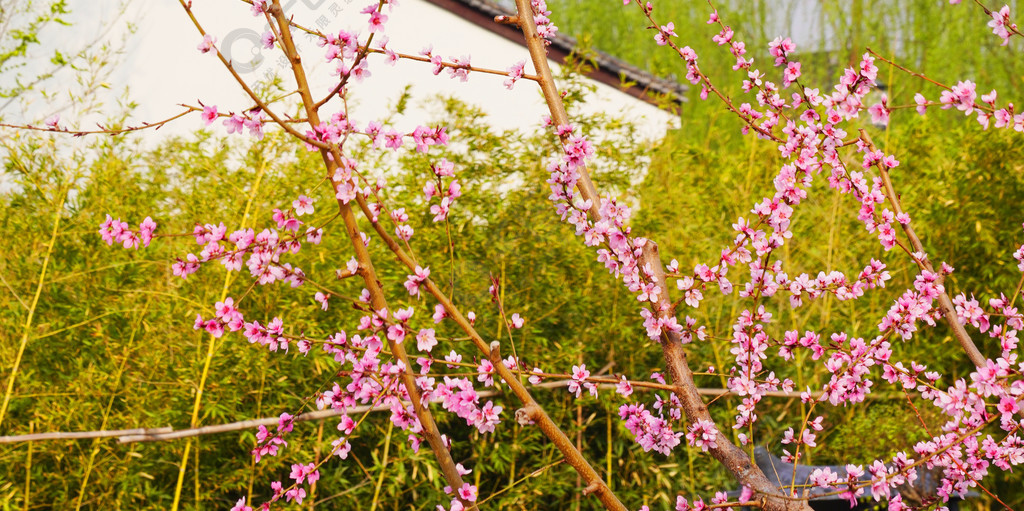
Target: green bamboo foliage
(112,343)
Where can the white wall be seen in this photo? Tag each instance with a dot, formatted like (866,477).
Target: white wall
(163,67)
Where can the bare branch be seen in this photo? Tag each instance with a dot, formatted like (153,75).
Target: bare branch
(80,435)
(103,131)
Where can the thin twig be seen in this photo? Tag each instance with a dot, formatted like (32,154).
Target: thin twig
(102,131)
(905,70)
(467,67)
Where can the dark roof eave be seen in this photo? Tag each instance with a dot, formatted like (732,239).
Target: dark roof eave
(608,70)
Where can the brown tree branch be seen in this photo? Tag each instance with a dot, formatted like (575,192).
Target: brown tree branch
(168,433)
(945,304)
(248,90)
(538,54)
(733,458)
(430,431)
(80,435)
(126,436)
(531,410)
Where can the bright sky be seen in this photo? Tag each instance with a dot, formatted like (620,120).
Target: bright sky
(163,67)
